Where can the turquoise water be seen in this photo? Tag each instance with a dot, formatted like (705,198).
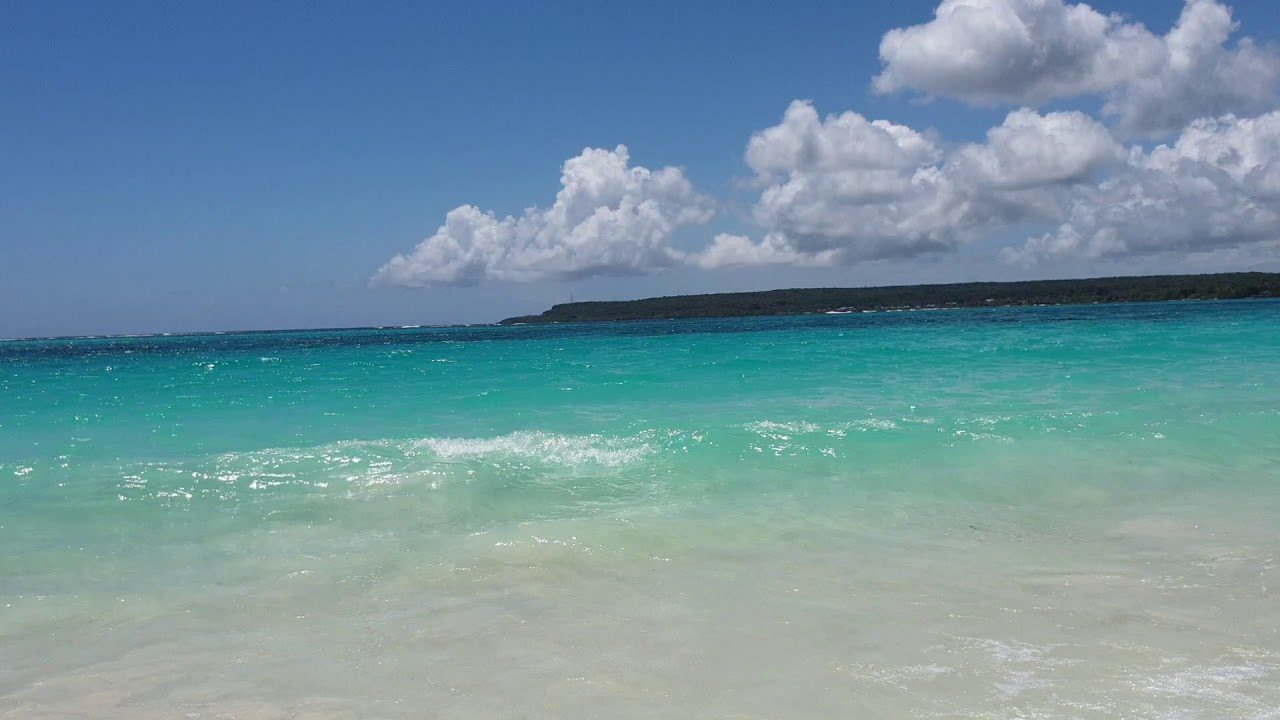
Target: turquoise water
(1006,513)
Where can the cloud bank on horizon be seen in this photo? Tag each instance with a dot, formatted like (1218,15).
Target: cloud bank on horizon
(842,189)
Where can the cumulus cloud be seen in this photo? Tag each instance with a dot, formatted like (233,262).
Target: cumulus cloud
(988,52)
(608,218)
(1015,51)
(1030,150)
(868,189)
(844,189)
(1199,77)
(738,250)
(1217,187)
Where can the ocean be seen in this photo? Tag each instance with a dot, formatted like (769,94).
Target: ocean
(1048,512)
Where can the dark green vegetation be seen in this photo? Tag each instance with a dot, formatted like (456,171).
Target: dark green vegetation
(914,297)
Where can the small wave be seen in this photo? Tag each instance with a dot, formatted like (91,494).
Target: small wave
(769,427)
(549,448)
(352,464)
(1225,684)
(785,430)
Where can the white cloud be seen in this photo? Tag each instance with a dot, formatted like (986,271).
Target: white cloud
(844,189)
(867,189)
(737,250)
(1200,76)
(804,142)
(1030,150)
(608,218)
(1217,187)
(1015,51)
(988,52)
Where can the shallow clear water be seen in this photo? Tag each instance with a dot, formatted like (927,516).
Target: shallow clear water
(1063,512)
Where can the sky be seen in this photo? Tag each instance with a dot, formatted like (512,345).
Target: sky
(169,167)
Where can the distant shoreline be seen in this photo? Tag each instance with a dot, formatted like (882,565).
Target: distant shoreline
(904,298)
(810,301)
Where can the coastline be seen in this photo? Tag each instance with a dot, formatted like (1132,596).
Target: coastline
(906,298)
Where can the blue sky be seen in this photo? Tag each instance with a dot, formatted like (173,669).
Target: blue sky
(198,166)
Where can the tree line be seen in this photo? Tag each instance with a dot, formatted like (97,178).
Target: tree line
(800,301)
